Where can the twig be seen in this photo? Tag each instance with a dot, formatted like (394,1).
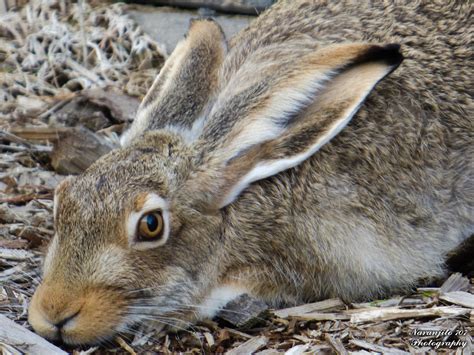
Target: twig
(125,346)
(38,149)
(378,348)
(310,307)
(21,338)
(384,314)
(250,346)
(14,139)
(19,199)
(80,4)
(54,108)
(336,344)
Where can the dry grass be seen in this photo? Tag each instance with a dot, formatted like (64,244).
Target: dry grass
(49,50)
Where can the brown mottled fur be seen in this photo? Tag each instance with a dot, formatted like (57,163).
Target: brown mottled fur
(372,212)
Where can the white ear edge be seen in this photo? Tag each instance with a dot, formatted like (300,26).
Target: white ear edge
(269,168)
(153,202)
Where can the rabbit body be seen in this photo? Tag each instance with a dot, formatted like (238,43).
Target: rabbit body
(263,185)
(377,208)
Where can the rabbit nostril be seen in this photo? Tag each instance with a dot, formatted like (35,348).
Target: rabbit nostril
(62,322)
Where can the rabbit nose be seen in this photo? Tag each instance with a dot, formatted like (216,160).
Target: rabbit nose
(52,310)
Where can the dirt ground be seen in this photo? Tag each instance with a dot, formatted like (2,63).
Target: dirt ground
(49,87)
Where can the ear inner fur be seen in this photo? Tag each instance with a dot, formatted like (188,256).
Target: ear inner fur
(298,116)
(185,84)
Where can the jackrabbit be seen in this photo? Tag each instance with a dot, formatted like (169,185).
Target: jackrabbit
(243,174)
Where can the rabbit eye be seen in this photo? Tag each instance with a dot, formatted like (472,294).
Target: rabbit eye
(150,226)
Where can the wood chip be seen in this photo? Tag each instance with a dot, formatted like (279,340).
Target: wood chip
(243,312)
(13,244)
(209,339)
(310,307)
(238,333)
(22,199)
(317,316)
(460,298)
(123,344)
(336,344)
(122,107)
(455,282)
(297,350)
(24,340)
(378,348)
(384,314)
(250,346)
(50,134)
(77,150)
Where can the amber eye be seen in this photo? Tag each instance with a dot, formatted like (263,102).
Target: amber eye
(150,226)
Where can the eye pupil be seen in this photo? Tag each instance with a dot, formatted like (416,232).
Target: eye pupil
(152,222)
(150,227)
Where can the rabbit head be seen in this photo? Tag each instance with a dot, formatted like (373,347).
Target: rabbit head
(143,233)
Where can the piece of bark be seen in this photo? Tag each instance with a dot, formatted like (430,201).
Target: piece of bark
(209,338)
(238,333)
(247,7)
(121,108)
(24,340)
(96,109)
(123,344)
(378,348)
(460,298)
(336,343)
(455,282)
(298,350)
(243,312)
(250,346)
(13,244)
(310,307)
(80,112)
(383,303)
(385,314)
(77,150)
(22,199)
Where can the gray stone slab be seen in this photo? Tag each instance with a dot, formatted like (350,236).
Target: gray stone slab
(246,7)
(168,25)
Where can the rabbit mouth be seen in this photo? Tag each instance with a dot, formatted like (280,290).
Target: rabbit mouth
(175,308)
(162,314)
(157,325)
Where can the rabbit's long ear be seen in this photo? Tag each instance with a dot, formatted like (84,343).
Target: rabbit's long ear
(185,83)
(290,114)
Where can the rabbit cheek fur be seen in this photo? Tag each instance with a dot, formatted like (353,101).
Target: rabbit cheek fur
(95,283)
(266,187)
